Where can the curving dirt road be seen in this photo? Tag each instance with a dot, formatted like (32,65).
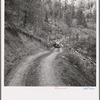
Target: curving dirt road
(46,74)
(22,70)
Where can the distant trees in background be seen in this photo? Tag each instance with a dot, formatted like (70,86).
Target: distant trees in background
(68,18)
(81,18)
(35,12)
(23,12)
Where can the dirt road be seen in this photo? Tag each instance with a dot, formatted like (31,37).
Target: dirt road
(46,74)
(22,69)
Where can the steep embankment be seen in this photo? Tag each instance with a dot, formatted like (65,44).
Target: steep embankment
(75,69)
(18,45)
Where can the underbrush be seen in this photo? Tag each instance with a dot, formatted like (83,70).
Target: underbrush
(76,69)
(87,47)
(84,64)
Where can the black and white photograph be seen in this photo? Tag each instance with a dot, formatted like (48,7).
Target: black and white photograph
(50,43)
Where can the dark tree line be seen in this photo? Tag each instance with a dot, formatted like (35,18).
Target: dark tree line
(23,12)
(36,12)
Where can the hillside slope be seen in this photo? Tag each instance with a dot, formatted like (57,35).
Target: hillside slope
(18,45)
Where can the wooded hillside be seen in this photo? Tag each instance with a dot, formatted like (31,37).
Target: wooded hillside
(32,26)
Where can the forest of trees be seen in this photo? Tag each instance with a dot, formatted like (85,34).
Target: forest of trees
(36,12)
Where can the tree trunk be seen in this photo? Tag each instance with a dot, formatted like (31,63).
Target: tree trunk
(18,16)
(25,17)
